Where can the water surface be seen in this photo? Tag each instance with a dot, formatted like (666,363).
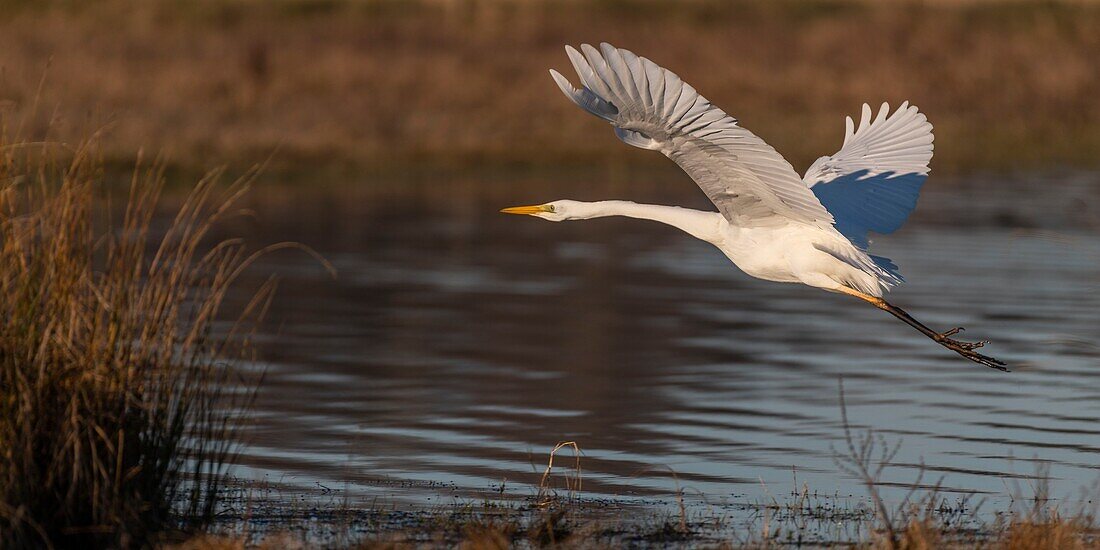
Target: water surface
(457,346)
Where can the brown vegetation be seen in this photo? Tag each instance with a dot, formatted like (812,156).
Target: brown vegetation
(355,84)
(119,400)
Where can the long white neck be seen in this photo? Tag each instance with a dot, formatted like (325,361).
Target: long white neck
(698,224)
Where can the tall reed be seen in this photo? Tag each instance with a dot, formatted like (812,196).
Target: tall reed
(120,392)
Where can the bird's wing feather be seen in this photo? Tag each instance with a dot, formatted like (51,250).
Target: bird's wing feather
(651,108)
(872,183)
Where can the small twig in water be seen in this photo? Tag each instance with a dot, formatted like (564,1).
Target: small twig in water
(573,485)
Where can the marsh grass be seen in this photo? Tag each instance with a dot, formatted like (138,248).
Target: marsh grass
(120,396)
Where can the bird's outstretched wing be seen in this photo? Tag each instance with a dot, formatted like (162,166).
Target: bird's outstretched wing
(651,108)
(872,183)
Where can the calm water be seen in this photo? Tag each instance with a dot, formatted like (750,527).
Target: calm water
(458,346)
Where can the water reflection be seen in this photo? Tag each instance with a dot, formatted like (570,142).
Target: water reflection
(458,346)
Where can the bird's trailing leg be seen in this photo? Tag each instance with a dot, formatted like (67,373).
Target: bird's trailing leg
(965,349)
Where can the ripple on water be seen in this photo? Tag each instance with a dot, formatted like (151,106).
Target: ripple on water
(450,360)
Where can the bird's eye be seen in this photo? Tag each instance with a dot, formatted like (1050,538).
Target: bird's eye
(550,208)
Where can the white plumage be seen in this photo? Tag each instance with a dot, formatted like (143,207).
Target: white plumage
(754,187)
(651,108)
(771,223)
(872,183)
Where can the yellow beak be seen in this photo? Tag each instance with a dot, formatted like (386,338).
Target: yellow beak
(528,210)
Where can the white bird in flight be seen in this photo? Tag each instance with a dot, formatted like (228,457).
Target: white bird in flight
(770,223)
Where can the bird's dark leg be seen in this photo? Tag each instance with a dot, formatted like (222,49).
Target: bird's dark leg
(965,349)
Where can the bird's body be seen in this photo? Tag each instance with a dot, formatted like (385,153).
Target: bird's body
(789,252)
(771,223)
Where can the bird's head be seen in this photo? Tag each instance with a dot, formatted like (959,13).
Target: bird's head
(557,211)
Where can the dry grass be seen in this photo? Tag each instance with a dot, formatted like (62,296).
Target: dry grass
(119,397)
(547,496)
(1051,533)
(1019,533)
(350,85)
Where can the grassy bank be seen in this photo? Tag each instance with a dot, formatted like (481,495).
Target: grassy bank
(348,86)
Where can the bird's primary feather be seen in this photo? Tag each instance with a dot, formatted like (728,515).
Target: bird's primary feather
(650,107)
(872,183)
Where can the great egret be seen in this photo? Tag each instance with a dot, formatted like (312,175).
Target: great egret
(771,224)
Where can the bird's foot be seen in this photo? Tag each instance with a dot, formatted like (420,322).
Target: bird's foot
(966,349)
(945,339)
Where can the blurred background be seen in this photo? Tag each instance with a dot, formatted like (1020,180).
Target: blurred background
(354,85)
(456,346)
